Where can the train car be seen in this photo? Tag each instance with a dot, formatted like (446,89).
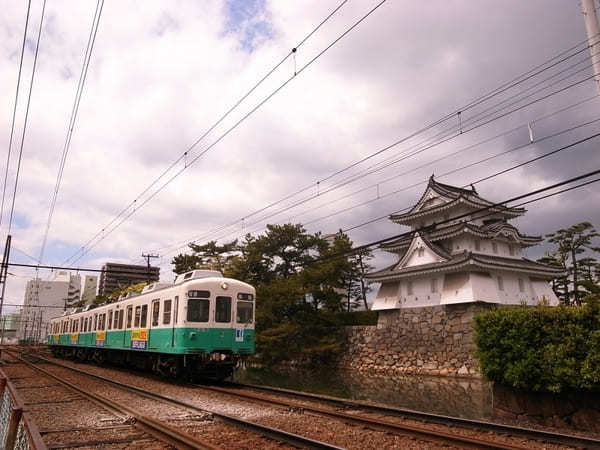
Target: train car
(199,326)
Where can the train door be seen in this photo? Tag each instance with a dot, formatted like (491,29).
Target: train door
(154,333)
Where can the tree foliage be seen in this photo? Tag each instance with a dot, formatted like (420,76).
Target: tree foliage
(552,349)
(304,282)
(574,247)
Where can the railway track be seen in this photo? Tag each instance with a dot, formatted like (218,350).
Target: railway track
(241,390)
(423,431)
(163,431)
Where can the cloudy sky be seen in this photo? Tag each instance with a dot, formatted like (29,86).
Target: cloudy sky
(162,73)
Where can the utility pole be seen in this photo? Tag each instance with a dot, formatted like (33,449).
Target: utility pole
(593,33)
(3,276)
(148,256)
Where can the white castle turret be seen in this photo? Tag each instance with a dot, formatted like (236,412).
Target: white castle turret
(476,257)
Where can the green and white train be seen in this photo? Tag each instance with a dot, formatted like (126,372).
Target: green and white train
(199,326)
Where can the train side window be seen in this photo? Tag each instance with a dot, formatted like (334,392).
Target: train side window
(138,312)
(197,310)
(110,314)
(116,322)
(121,320)
(103,327)
(95,322)
(81,324)
(223,309)
(85,325)
(144,316)
(155,312)
(167,312)
(129,316)
(244,312)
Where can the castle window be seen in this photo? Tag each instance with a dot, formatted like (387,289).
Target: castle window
(421,252)
(500,283)
(434,287)
(494,247)
(511,250)
(477,245)
(409,287)
(521,285)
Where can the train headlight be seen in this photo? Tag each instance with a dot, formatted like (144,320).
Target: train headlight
(224,286)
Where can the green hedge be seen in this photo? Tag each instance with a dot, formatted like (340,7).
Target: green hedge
(541,348)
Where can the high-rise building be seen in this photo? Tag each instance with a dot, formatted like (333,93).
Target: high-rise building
(45,300)
(115,276)
(90,285)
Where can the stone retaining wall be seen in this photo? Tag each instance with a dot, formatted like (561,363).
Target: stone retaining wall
(436,340)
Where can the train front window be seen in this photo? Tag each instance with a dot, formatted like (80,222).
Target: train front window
(223,309)
(197,310)
(244,312)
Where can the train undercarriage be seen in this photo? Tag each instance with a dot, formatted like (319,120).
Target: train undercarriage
(216,366)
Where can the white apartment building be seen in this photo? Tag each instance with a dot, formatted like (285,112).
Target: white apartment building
(90,285)
(45,300)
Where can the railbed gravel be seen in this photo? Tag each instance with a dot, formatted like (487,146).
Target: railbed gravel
(316,427)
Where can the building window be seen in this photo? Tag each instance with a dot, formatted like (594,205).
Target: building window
(434,287)
(521,285)
(477,245)
(494,247)
(500,283)
(409,287)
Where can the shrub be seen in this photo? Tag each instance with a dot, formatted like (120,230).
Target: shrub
(543,348)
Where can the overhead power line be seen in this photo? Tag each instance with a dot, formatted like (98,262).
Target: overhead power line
(452,134)
(12,125)
(79,92)
(136,206)
(479,213)
(37,48)
(495,174)
(370,245)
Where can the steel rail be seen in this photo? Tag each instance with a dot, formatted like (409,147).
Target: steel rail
(273,433)
(421,432)
(156,428)
(530,433)
(412,430)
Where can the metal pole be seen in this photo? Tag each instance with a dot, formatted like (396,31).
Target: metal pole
(593,33)
(4,273)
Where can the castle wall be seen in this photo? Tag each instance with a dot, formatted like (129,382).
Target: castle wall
(434,340)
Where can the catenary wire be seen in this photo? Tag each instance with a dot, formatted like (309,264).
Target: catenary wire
(346,182)
(85,249)
(184,155)
(12,125)
(545,155)
(449,136)
(37,47)
(376,243)
(72,120)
